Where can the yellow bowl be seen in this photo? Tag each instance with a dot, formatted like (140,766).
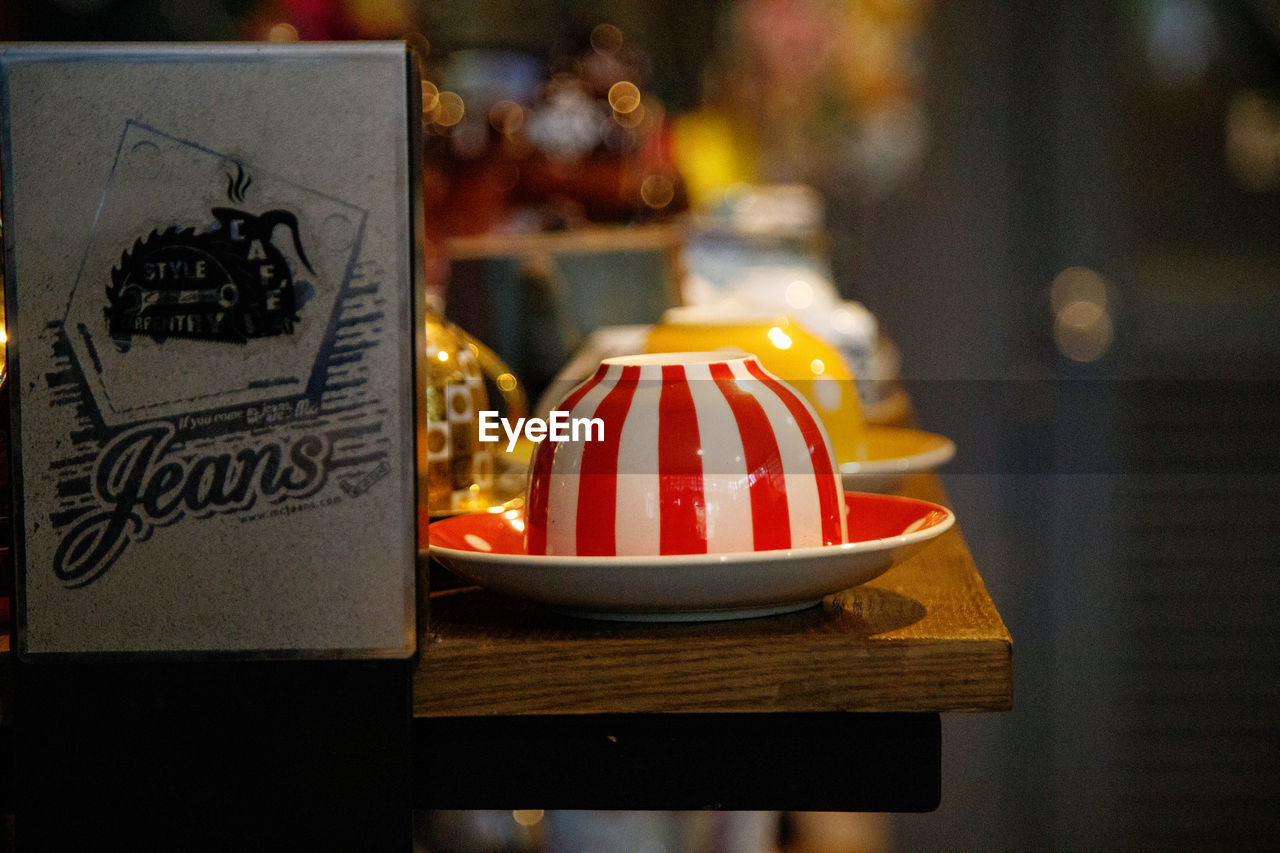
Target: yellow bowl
(786,349)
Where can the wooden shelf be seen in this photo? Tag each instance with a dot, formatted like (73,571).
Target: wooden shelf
(924,637)
(665,238)
(516,707)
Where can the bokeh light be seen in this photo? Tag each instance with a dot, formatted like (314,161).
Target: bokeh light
(799,294)
(527,817)
(1078,284)
(1083,331)
(657,190)
(430,98)
(606,38)
(1252,147)
(506,117)
(282,32)
(780,339)
(449,109)
(624,96)
(1082,306)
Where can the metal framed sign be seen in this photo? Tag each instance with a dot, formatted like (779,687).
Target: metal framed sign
(210,266)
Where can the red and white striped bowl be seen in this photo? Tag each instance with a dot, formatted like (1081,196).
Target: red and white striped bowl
(700,453)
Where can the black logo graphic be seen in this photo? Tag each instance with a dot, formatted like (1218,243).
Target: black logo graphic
(230,282)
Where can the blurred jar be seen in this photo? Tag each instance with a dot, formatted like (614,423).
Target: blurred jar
(458,468)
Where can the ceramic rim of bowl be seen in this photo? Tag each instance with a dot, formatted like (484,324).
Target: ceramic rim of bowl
(665,359)
(700,315)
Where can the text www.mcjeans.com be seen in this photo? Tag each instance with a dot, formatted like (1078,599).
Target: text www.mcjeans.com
(291,508)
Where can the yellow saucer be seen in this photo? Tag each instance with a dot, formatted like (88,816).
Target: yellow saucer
(893,453)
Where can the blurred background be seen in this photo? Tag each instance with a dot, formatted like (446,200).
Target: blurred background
(1064,221)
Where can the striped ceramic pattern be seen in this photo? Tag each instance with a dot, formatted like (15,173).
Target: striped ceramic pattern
(707,456)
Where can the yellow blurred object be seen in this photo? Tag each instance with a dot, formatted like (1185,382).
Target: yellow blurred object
(711,154)
(381,16)
(457,466)
(789,351)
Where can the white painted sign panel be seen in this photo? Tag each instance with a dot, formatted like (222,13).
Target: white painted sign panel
(210,269)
